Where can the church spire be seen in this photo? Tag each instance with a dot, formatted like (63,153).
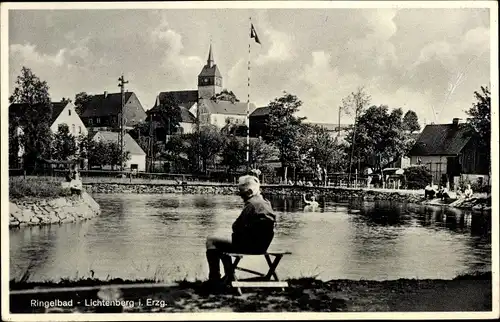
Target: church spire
(210,60)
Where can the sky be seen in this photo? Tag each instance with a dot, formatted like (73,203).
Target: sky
(427,60)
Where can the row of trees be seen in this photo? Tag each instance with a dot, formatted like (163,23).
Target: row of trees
(290,140)
(378,137)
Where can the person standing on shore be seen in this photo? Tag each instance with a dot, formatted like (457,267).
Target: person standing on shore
(253,231)
(319,175)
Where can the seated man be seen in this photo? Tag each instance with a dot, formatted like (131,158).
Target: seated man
(468,192)
(443,193)
(76,184)
(429,191)
(253,230)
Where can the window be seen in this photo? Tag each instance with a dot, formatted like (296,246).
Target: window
(90,121)
(79,129)
(69,112)
(98,120)
(73,128)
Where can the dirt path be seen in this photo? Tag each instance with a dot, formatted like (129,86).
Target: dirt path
(303,295)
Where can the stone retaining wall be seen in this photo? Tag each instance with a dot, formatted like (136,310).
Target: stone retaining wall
(31,211)
(229,189)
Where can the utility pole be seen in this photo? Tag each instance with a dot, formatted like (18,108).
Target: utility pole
(122,126)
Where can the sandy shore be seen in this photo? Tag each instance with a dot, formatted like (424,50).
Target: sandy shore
(465,293)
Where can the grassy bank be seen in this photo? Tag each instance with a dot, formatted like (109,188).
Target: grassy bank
(464,293)
(36,187)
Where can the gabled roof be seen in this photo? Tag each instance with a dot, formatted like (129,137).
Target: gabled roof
(129,144)
(18,109)
(101,105)
(187,116)
(185,99)
(210,71)
(57,108)
(227,107)
(261,111)
(189,96)
(441,139)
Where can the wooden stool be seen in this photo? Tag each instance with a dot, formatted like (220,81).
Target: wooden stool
(270,279)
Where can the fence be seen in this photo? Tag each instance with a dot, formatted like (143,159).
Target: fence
(103,176)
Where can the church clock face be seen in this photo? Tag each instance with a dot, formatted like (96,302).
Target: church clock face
(205,80)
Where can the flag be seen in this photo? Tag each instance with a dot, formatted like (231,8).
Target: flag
(253,34)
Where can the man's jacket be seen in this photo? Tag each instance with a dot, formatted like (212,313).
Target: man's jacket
(253,230)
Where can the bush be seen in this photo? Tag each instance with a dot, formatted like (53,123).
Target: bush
(417,177)
(20,187)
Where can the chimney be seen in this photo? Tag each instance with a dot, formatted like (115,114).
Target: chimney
(105,94)
(456,120)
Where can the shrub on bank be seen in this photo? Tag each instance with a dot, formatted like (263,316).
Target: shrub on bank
(37,187)
(417,177)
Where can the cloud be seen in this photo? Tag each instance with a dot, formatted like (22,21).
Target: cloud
(69,58)
(29,54)
(280,48)
(237,75)
(321,87)
(185,67)
(476,41)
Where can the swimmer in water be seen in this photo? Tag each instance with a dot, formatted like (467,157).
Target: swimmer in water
(313,204)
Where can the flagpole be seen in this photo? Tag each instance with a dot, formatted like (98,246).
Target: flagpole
(248,100)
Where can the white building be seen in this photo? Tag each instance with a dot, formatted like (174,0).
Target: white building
(62,113)
(137,159)
(65,113)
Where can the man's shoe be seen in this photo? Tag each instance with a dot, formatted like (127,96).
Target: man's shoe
(213,286)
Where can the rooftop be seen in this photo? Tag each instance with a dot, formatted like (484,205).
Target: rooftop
(129,143)
(441,139)
(227,107)
(105,104)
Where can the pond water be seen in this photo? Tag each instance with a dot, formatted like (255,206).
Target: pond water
(163,237)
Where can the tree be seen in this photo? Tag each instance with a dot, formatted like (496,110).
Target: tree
(33,116)
(356,102)
(284,128)
(233,154)
(65,100)
(81,99)
(116,157)
(261,152)
(380,137)
(14,145)
(101,153)
(417,177)
(321,148)
(480,122)
(141,134)
(480,117)
(170,113)
(177,152)
(225,95)
(203,146)
(98,153)
(64,146)
(410,122)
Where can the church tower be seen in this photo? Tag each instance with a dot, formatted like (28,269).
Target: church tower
(209,79)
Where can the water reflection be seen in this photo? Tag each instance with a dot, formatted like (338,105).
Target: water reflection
(145,236)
